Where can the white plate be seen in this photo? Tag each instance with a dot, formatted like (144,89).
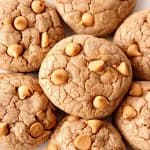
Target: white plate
(141,4)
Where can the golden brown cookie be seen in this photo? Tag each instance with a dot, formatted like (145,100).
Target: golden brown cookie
(133,38)
(26,116)
(133,116)
(86,76)
(78,134)
(94,17)
(28,29)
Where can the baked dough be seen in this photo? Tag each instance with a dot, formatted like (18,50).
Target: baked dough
(94,17)
(85,76)
(28,29)
(26,115)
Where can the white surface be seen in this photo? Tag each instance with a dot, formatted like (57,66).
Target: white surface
(141,4)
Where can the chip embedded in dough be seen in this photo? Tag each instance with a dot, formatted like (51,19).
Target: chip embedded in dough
(133,116)
(133,37)
(89,84)
(94,17)
(28,29)
(21,124)
(78,135)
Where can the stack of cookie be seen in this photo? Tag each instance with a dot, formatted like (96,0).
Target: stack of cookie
(85,76)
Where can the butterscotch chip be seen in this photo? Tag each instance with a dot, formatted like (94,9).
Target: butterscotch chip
(73,118)
(123,69)
(35,25)
(136,90)
(129,112)
(78,135)
(36,129)
(59,76)
(83,142)
(38,6)
(73,49)
(133,51)
(100,102)
(87,19)
(3,129)
(20,23)
(24,91)
(51,146)
(95,125)
(15,50)
(97,66)
(85,76)
(147,96)
(44,40)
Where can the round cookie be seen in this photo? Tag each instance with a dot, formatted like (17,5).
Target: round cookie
(28,29)
(77,134)
(85,76)
(26,115)
(94,17)
(133,116)
(133,37)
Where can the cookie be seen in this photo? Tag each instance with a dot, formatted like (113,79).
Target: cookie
(133,38)
(74,133)
(85,76)
(94,17)
(28,29)
(133,116)
(26,115)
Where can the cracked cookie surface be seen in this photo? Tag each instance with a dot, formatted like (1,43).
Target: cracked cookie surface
(94,17)
(28,29)
(26,115)
(85,76)
(77,134)
(133,38)
(133,116)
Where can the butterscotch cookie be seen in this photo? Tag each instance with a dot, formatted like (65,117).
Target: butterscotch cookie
(85,76)
(133,37)
(29,28)
(26,115)
(77,134)
(95,17)
(133,116)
